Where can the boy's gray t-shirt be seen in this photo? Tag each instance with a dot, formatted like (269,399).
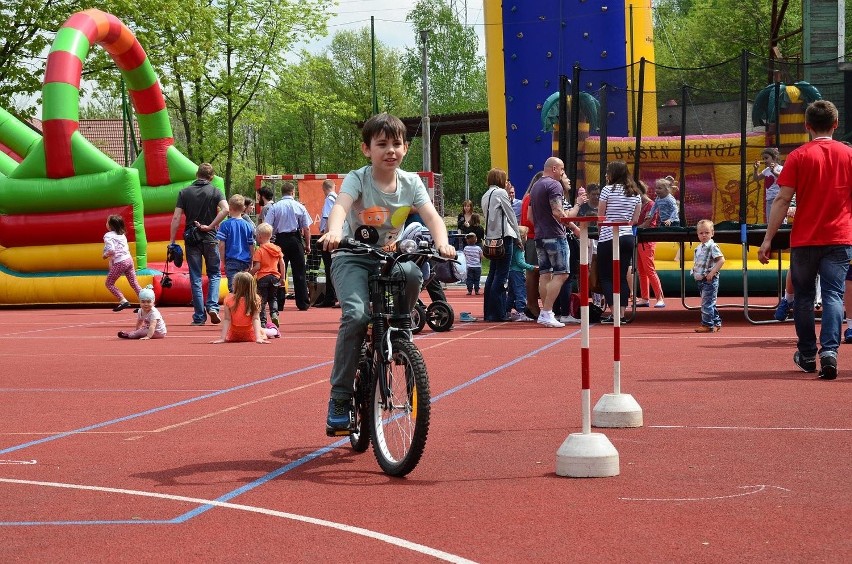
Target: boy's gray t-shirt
(378,218)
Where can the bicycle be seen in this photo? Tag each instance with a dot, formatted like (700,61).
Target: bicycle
(392,401)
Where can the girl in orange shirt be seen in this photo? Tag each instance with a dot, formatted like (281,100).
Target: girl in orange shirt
(241,314)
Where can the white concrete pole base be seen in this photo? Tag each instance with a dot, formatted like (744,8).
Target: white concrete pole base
(587,455)
(617,410)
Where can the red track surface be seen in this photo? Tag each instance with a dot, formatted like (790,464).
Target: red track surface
(742,457)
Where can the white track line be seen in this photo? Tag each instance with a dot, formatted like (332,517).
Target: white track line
(735,428)
(752,490)
(392,540)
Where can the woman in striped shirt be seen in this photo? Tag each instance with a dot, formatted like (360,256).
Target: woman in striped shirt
(619,202)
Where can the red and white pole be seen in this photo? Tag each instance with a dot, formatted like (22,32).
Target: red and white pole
(585,369)
(616,409)
(616,307)
(586,454)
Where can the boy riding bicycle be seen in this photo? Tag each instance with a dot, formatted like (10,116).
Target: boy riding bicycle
(372,207)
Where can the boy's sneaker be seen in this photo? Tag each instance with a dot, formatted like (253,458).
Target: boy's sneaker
(783,310)
(847,336)
(214,316)
(275,320)
(515,316)
(549,320)
(340,418)
(567,319)
(807,364)
(828,366)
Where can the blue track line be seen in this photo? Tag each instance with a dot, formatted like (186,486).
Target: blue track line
(158,409)
(275,473)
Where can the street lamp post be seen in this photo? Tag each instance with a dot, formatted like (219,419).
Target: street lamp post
(466,176)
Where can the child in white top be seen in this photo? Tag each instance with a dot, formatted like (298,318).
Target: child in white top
(117,250)
(149,321)
(473,259)
(771,171)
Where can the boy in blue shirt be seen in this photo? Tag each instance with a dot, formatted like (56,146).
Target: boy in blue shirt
(372,207)
(236,240)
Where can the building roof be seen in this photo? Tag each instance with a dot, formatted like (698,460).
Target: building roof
(105,134)
(108,136)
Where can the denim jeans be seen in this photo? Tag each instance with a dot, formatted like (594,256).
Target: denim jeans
(517,291)
(709,291)
(232,266)
(831,263)
(210,252)
(474,274)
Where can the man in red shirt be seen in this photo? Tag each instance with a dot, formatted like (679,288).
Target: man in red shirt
(819,174)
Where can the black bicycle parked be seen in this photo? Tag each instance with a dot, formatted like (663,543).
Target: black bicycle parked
(392,398)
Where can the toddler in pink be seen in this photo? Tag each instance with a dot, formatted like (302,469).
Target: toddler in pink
(149,321)
(117,250)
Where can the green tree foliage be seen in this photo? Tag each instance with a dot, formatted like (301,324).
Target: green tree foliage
(215,58)
(456,84)
(702,34)
(27,27)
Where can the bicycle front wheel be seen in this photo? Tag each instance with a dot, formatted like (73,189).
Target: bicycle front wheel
(401,420)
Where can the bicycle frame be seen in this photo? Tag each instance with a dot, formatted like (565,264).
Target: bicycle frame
(387,293)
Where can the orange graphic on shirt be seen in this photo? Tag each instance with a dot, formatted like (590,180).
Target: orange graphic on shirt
(375,216)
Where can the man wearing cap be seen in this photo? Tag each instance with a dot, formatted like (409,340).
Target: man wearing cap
(292,225)
(200,202)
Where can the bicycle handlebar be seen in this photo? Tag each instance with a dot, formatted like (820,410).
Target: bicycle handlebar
(351,244)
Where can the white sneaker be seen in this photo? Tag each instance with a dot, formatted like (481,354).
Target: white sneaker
(549,321)
(660,303)
(567,319)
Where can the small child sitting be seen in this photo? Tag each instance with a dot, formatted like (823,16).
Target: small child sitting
(241,313)
(665,206)
(473,259)
(149,322)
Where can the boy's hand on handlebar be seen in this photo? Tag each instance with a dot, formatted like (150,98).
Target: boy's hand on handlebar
(330,241)
(447,251)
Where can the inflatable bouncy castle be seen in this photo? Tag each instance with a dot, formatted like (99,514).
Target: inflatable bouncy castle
(57,190)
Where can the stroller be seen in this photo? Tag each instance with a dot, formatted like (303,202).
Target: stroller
(439,314)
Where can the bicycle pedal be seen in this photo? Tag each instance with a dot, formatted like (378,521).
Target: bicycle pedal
(333,432)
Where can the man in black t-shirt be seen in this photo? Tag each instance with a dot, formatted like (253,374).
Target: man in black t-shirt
(205,207)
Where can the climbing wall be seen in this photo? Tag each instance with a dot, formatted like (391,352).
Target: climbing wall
(530,44)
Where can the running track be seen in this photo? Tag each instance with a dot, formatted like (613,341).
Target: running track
(116,451)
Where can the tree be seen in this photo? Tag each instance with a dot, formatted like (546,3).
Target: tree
(28,28)
(702,34)
(214,58)
(456,84)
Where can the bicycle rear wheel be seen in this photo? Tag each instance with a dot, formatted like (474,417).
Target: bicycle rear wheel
(400,425)
(359,439)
